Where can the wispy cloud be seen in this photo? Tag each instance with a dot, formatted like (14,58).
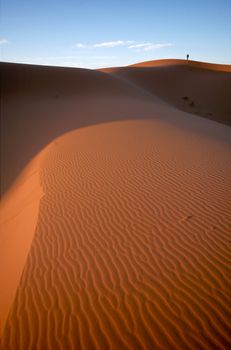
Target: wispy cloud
(157,46)
(114,43)
(3,41)
(105,44)
(80,45)
(138,46)
(131,44)
(149,46)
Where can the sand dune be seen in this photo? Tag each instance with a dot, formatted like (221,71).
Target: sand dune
(195,87)
(85,97)
(128,242)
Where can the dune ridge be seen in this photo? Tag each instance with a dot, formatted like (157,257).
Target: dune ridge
(40,96)
(190,63)
(128,242)
(174,62)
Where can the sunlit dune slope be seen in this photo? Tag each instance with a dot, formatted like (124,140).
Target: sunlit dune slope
(196,87)
(131,248)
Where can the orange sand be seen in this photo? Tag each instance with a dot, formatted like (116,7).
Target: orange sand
(116,214)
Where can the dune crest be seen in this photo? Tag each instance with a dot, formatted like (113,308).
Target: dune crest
(174,62)
(190,63)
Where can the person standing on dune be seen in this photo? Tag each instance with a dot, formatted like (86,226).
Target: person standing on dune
(187,57)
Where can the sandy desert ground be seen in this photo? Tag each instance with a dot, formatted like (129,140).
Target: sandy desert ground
(116,207)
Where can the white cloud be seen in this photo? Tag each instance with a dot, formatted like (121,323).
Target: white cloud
(137,46)
(157,46)
(3,41)
(150,46)
(106,44)
(113,43)
(146,46)
(80,45)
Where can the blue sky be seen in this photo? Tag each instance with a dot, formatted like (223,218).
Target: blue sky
(101,33)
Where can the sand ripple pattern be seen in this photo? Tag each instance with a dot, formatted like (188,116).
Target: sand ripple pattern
(132,246)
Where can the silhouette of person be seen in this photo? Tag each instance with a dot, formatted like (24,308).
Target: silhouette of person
(187,57)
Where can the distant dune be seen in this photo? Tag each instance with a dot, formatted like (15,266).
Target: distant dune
(194,87)
(175,62)
(116,210)
(195,64)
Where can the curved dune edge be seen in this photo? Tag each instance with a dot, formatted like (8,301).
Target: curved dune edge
(18,219)
(174,62)
(131,249)
(84,97)
(196,64)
